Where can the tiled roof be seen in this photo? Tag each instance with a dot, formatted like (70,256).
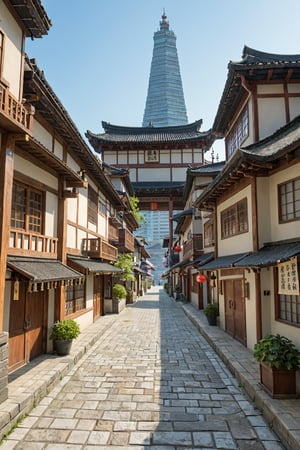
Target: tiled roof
(224,261)
(255,66)
(149,135)
(38,269)
(93,265)
(270,254)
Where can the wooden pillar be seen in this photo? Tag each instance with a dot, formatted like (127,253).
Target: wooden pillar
(258,306)
(60,297)
(6,185)
(170,226)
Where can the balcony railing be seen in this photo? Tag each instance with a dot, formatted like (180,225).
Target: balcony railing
(99,248)
(24,243)
(193,247)
(13,113)
(113,235)
(126,240)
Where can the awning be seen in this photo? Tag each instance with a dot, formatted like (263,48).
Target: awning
(180,264)
(224,261)
(203,259)
(39,270)
(270,255)
(88,265)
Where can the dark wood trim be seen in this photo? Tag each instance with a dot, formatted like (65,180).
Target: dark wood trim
(286,103)
(232,272)
(253,201)
(258,306)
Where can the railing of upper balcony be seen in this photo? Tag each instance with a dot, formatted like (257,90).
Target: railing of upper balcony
(126,240)
(14,111)
(193,247)
(99,248)
(24,243)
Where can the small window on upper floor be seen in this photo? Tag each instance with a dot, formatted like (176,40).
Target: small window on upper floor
(234,220)
(1,52)
(92,206)
(238,134)
(289,200)
(27,211)
(151,156)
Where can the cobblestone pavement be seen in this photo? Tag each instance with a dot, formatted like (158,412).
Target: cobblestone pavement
(151,381)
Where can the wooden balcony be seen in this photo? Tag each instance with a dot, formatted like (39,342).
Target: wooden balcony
(24,243)
(99,248)
(193,248)
(113,235)
(126,241)
(14,116)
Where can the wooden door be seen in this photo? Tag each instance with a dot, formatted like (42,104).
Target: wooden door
(235,319)
(98,298)
(27,327)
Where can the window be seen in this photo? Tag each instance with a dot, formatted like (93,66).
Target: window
(238,134)
(151,156)
(289,200)
(27,209)
(92,206)
(75,298)
(208,234)
(234,220)
(103,209)
(289,308)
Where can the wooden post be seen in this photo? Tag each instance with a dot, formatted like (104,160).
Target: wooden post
(6,185)
(170,226)
(60,297)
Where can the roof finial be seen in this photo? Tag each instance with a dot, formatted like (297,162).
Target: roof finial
(164,22)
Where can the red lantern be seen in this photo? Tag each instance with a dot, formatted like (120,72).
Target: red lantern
(201,278)
(178,248)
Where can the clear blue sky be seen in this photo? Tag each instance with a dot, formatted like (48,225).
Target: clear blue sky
(97,54)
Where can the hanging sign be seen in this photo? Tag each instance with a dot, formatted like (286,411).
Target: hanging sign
(288,279)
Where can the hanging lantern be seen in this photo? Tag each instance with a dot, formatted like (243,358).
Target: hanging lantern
(178,248)
(201,278)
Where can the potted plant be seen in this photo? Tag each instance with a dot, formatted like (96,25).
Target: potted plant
(279,360)
(62,333)
(211,311)
(119,297)
(178,290)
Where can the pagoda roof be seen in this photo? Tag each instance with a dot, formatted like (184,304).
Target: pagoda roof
(33,16)
(122,138)
(255,66)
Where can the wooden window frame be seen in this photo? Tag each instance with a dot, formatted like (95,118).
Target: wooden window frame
(75,299)
(29,218)
(292,202)
(92,213)
(287,307)
(234,219)
(238,134)
(208,228)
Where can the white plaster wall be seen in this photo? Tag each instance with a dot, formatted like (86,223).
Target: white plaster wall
(270,89)
(133,158)
(154,175)
(176,156)
(238,243)
(178,174)
(102,226)
(285,230)
(12,51)
(265,210)
(294,104)
(31,170)
(82,208)
(89,290)
(122,158)
(51,214)
(110,158)
(164,157)
(85,320)
(72,163)
(58,149)
(198,156)
(71,236)
(72,209)
(42,135)
(80,235)
(271,115)
(187,156)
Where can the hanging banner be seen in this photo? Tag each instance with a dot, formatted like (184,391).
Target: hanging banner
(288,279)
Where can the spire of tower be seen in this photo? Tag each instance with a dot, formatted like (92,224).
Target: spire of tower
(165,105)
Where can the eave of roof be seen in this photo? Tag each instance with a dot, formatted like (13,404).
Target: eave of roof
(87,265)
(224,261)
(254,66)
(204,170)
(33,16)
(270,255)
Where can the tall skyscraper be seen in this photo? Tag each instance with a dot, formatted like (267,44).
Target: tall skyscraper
(165,105)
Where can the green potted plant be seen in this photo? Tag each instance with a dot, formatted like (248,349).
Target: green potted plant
(279,360)
(119,297)
(211,311)
(62,333)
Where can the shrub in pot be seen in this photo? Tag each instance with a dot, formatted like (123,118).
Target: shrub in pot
(119,293)
(62,333)
(211,311)
(279,360)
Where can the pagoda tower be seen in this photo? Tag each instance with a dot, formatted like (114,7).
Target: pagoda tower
(165,105)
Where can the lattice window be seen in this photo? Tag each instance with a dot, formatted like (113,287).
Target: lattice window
(234,220)
(75,298)
(92,206)
(27,208)
(289,200)
(238,134)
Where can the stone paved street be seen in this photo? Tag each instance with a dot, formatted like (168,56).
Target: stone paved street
(150,382)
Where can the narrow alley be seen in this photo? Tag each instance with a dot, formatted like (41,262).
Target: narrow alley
(151,381)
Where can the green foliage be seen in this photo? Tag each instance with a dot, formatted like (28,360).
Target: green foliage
(65,330)
(134,202)
(178,288)
(119,291)
(125,263)
(211,310)
(278,352)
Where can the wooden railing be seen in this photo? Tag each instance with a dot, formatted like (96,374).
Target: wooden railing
(113,234)
(14,110)
(193,247)
(99,248)
(24,243)
(126,240)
